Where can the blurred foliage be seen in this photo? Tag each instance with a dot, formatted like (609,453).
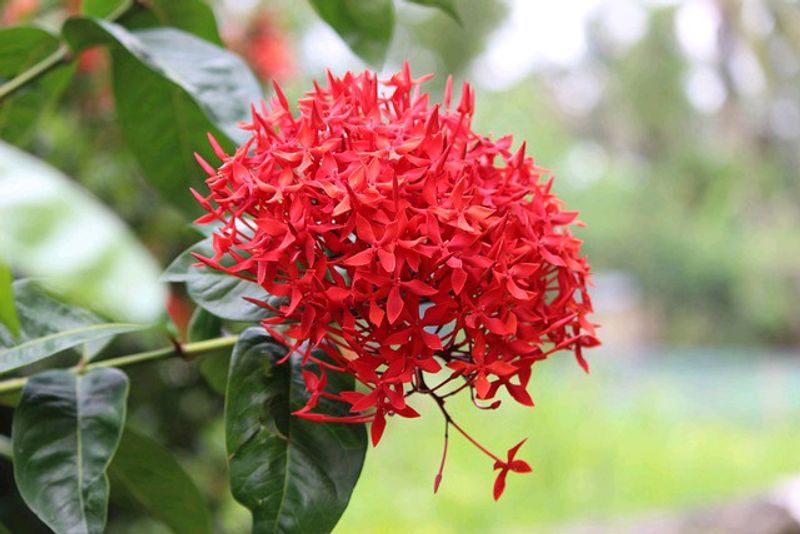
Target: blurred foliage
(607,449)
(701,206)
(443,44)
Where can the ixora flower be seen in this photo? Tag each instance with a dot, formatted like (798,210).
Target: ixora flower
(424,258)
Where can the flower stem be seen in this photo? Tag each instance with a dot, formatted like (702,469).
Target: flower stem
(449,420)
(189,349)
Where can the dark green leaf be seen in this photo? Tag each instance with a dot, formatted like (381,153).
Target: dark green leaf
(101,8)
(53,229)
(214,367)
(40,348)
(8,313)
(294,475)
(41,314)
(195,86)
(193,16)
(6,449)
(447,6)
(65,431)
(203,325)
(220,293)
(365,25)
(22,47)
(151,474)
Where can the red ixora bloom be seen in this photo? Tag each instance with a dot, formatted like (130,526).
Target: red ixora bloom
(407,246)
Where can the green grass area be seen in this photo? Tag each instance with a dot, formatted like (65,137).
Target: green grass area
(601,447)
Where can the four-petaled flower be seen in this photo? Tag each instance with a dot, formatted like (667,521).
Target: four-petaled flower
(510,464)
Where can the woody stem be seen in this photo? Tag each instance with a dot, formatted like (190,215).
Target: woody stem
(189,349)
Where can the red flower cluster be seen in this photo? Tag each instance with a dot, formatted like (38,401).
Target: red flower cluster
(409,247)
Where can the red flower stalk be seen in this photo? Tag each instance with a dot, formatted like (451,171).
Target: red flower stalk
(409,247)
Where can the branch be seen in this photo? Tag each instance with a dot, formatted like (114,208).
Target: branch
(189,349)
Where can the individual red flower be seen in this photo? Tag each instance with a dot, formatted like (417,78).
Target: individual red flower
(510,464)
(410,248)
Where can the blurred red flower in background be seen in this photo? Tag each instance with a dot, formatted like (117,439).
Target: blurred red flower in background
(264,45)
(16,11)
(404,244)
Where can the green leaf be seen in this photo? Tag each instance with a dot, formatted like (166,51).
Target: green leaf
(41,314)
(193,16)
(219,293)
(447,6)
(21,47)
(55,230)
(294,475)
(197,87)
(101,8)
(365,25)
(214,367)
(40,348)
(8,313)
(203,325)
(65,431)
(6,450)
(151,474)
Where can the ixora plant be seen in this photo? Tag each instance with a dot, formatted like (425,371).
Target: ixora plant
(361,251)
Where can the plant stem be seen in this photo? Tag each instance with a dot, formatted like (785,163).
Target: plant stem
(189,349)
(60,56)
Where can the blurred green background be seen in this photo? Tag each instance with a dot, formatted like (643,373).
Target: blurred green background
(674,127)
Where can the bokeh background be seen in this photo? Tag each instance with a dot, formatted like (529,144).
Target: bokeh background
(674,127)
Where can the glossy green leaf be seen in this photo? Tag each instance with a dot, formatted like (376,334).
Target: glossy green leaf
(217,292)
(65,431)
(447,6)
(294,475)
(21,47)
(40,348)
(151,475)
(193,16)
(42,314)
(196,86)
(55,230)
(8,312)
(365,25)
